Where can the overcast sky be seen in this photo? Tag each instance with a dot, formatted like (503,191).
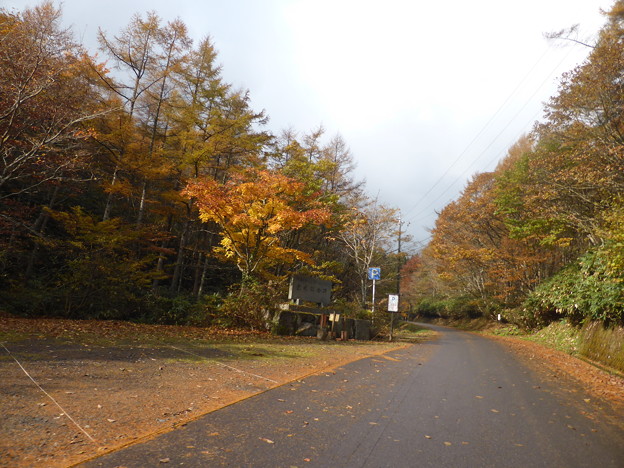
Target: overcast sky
(425,93)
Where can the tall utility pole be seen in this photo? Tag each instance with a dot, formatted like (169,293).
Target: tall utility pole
(398,285)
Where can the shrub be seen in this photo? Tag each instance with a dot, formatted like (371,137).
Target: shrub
(456,307)
(250,307)
(178,310)
(590,290)
(349,309)
(561,335)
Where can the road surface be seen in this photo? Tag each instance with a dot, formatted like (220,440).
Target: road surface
(461,400)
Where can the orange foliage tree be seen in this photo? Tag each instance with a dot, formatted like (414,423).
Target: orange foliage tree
(254,210)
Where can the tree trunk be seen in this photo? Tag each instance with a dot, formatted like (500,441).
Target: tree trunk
(161,258)
(197,256)
(139,220)
(180,259)
(109,198)
(202,281)
(38,227)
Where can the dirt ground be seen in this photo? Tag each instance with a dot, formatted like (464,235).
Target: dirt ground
(71,390)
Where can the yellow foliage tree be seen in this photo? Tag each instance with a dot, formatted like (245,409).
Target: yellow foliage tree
(254,210)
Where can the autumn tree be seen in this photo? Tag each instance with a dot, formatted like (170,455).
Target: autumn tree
(253,209)
(144,58)
(95,157)
(577,167)
(212,132)
(420,281)
(47,107)
(196,113)
(45,97)
(339,168)
(102,277)
(367,232)
(476,258)
(538,233)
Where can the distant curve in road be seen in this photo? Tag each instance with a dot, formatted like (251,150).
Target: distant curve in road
(460,400)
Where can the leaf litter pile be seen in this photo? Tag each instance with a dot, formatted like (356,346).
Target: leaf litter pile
(71,390)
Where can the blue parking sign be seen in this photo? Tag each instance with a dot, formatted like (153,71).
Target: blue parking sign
(374,273)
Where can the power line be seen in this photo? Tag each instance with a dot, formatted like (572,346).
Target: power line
(526,76)
(463,174)
(498,156)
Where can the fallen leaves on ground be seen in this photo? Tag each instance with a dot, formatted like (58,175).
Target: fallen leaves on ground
(555,365)
(143,382)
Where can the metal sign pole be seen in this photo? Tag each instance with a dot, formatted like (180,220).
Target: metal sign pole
(374,274)
(373,307)
(393,308)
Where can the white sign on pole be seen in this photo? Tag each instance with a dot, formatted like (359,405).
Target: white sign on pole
(393,303)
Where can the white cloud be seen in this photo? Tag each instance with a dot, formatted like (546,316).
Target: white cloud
(412,85)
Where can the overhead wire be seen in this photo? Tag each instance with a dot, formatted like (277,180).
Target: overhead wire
(462,175)
(518,86)
(416,218)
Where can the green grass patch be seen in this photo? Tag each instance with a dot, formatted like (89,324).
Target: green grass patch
(12,336)
(508,330)
(412,333)
(559,335)
(603,345)
(193,343)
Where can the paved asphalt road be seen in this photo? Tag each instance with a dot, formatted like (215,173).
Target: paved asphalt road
(459,401)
